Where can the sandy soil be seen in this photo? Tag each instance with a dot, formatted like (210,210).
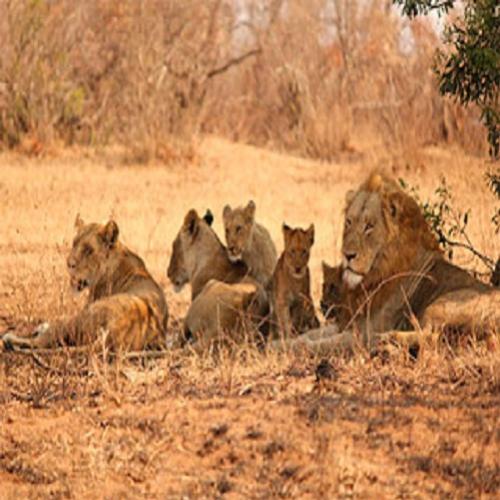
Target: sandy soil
(248,425)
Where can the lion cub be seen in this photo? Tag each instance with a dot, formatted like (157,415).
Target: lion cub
(332,291)
(249,242)
(338,303)
(289,289)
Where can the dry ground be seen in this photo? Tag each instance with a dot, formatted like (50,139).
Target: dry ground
(248,425)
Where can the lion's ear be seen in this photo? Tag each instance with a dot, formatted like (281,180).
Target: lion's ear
(109,234)
(326,268)
(310,234)
(226,212)
(395,204)
(79,222)
(192,222)
(250,210)
(208,217)
(287,233)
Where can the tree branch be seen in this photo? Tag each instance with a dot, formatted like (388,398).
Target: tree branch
(233,62)
(468,246)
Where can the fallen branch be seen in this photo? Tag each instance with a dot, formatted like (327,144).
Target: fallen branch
(34,354)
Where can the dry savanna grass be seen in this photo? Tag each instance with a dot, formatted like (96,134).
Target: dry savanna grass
(247,424)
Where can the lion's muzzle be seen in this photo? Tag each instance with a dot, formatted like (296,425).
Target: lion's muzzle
(234,256)
(351,278)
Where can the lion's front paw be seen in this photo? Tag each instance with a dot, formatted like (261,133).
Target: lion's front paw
(41,329)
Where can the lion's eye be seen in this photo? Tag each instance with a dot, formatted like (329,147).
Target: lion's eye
(304,253)
(368,227)
(348,222)
(238,229)
(88,250)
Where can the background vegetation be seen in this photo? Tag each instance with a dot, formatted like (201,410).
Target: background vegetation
(316,77)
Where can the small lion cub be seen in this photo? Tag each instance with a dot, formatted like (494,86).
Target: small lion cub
(290,286)
(338,303)
(249,242)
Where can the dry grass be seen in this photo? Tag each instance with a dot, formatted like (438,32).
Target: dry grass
(249,424)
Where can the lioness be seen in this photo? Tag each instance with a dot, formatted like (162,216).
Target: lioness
(221,290)
(250,242)
(221,314)
(395,275)
(290,286)
(198,256)
(125,303)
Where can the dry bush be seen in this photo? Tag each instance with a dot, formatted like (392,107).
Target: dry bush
(312,77)
(99,72)
(290,96)
(333,74)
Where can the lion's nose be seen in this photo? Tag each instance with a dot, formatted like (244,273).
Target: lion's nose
(71,263)
(232,249)
(298,269)
(350,256)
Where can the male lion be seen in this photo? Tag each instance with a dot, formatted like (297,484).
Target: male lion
(250,242)
(290,287)
(394,275)
(125,303)
(221,290)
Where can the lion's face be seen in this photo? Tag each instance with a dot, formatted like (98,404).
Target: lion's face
(182,260)
(331,290)
(384,232)
(238,227)
(92,247)
(365,235)
(177,272)
(298,243)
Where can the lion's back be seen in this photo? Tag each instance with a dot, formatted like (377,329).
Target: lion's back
(137,308)
(262,255)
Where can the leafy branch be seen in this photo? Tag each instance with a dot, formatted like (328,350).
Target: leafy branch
(447,222)
(469,69)
(412,8)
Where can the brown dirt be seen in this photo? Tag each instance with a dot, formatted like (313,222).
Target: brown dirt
(248,424)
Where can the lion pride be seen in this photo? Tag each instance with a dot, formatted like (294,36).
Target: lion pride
(394,276)
(125,304)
